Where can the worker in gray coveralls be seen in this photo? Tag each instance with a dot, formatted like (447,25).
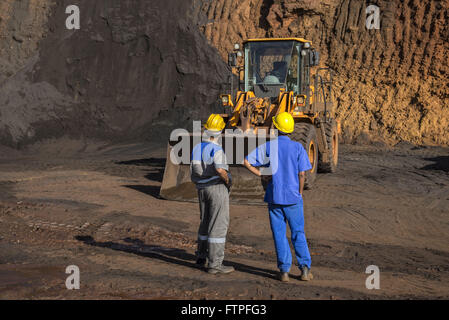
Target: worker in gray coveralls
(209,172)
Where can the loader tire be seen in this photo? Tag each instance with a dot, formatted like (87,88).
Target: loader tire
(305,133)
(331,132)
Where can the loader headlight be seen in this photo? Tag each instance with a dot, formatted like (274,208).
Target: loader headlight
(301,100)
(225,99)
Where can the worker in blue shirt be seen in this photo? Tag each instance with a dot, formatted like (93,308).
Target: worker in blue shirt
(283,194)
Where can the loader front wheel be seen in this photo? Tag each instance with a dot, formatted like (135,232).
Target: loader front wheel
(305,133)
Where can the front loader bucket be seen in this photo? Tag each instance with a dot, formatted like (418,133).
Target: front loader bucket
(176,183)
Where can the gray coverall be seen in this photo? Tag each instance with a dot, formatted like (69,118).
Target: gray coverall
(213,197)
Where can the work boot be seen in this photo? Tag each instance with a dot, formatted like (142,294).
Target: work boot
(221,269)
(283,276)
(201,262)
(306,274)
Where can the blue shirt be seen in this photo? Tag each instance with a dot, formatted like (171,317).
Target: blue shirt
(286,162)
(206,158)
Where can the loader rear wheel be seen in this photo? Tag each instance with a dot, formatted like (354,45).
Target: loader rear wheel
(331,164)
(305,133)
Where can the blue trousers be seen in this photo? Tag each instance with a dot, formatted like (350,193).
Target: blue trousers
(294,215)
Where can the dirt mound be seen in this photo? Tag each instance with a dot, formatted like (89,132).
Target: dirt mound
(391,84)
(22,26)
(130,70)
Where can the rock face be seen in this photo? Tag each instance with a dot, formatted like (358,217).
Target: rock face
(132,70)
(391,84)
(136,70)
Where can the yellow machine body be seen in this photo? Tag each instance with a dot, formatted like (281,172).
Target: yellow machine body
(276,75)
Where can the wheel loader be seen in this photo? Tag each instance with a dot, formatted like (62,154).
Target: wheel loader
(275,75)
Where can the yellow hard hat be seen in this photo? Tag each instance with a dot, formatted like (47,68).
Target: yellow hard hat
(215,123)
(284,122)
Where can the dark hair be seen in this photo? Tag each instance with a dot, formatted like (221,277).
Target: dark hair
(280,133)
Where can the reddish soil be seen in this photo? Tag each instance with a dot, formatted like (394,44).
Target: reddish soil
(390,84)
(99,209)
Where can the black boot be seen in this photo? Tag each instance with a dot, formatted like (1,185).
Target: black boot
(201,262)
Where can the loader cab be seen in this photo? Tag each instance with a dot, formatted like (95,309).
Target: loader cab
(274,64)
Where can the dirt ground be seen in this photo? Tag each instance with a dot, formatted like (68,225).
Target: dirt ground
(100,210)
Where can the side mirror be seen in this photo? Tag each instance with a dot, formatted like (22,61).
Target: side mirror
(314,58)
(232,59)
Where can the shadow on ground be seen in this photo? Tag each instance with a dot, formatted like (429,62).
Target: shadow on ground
(155,172)
(155,167)
(150,162)
(149,190)
(440,163)
(170,255)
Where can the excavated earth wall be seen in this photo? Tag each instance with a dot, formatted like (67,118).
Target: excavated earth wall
(391,84)
(138,68)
